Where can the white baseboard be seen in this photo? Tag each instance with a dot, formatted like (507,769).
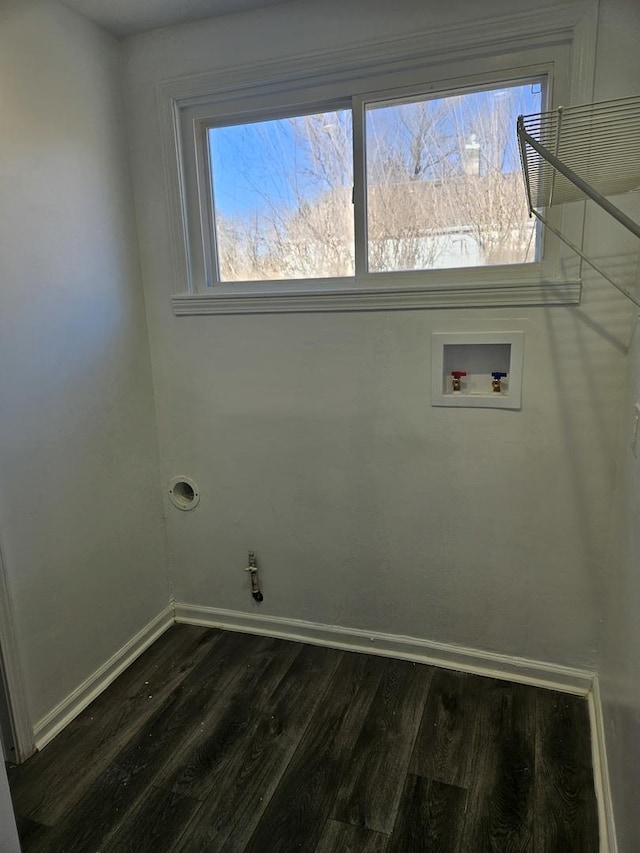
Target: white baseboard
(608,843)
(60,716)
(539,673)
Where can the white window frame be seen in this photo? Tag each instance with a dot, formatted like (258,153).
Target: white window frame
(399,68)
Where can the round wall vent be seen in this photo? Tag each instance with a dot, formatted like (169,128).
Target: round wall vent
(184,494)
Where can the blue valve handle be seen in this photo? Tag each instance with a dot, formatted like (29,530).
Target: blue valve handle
(498,375)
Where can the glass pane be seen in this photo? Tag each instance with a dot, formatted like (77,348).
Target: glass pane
(444,187)
(282,197)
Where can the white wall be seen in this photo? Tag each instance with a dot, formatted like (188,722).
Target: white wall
(313,440)
(80,514)
(8,835)
(620,659)
(619,665)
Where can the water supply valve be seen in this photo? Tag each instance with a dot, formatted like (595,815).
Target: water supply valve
(252,568)
(456,374)
(497,380)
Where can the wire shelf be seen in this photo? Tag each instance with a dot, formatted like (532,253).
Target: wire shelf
(598,142)
(578,153)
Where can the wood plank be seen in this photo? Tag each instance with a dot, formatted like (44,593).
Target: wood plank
(117,791)
(444,747)
(238,798)
(297,813)
(431,817)
(48,785)
(566,810)
(227,728)
(500,810)
(370,791)
(156,825)
(273,749)
(345,838)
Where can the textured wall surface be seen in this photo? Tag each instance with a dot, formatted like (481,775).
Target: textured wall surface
(620,660)
(8,835)
(313,440)
(619,664)
(80,511)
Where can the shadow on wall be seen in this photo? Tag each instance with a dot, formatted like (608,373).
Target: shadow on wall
(588,372)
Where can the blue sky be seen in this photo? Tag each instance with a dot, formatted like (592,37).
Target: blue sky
(261,166)
(258,164)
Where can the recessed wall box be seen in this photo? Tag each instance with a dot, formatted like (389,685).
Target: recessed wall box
(478,357)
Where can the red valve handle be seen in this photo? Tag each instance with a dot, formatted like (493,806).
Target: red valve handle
(458,373)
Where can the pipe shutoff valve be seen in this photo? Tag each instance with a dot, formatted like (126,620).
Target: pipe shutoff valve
(456,374)
(496,380)
(252,568)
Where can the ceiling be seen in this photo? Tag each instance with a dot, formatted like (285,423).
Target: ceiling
(126,17)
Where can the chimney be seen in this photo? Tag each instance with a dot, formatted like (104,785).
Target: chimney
(471,156)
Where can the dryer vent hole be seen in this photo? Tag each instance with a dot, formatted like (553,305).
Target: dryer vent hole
(183,494)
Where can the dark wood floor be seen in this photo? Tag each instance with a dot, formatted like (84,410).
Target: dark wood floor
(216,741)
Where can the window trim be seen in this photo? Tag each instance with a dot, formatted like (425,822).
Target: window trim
(565,38)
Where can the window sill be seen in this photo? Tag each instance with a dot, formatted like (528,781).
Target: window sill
(241,300)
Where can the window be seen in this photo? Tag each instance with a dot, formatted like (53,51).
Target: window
(282,196)
(442,188)
(443,181)
(376,177)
